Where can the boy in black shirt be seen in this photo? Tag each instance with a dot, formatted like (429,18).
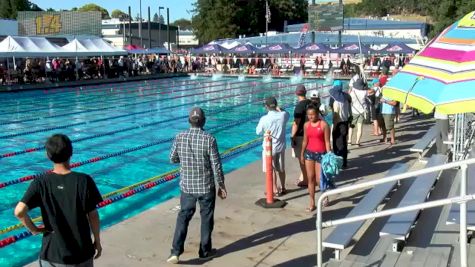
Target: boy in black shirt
(68,206)
(300,117)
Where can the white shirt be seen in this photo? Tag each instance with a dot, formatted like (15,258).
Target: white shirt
(274,122)
(358,101)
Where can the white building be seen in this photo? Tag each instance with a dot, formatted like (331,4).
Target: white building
(187,39)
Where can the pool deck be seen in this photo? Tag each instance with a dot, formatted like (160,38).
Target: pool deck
(248,235)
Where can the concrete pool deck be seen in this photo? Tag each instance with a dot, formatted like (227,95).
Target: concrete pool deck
(245,234)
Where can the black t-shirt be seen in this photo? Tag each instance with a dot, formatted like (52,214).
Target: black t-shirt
(300,112)
(65,201)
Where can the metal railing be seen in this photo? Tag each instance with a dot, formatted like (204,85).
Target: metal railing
(462,200)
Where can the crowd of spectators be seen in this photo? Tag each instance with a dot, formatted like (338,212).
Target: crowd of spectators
(40,70)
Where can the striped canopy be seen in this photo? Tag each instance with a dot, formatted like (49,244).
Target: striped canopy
(442,75)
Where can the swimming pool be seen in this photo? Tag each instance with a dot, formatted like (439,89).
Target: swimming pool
(122,135)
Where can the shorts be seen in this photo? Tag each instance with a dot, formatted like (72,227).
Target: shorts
(389,121)
(297,150)
(44,263)
(358,119)
(278,161)
(313,156)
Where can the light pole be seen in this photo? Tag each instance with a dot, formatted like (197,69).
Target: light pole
(159,26)
(140,23)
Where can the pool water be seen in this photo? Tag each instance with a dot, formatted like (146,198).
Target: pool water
(105,119)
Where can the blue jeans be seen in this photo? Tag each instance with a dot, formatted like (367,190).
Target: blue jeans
(188,208)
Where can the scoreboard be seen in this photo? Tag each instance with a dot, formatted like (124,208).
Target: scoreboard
(44,23)
(326,15)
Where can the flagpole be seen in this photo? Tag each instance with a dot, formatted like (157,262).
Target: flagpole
(267,20)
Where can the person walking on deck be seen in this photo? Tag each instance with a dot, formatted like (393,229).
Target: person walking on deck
(197,153)
(340,103)
(300,117)
(316,143)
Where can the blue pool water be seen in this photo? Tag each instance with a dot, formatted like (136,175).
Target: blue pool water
(115,117)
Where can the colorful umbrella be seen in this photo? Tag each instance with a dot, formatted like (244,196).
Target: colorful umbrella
(442,75)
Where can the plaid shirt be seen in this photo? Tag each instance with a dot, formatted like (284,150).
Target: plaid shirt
(197,152)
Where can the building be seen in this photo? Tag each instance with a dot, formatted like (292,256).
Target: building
(377,28)
(187,39)
(117,32)
(369,31)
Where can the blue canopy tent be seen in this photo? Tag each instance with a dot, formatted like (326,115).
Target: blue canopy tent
(243,49)
(312,48)
(276,49)
(351,49)
(398,48)
(209,49)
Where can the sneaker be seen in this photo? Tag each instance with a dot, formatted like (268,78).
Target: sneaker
(173,259)
(211,254)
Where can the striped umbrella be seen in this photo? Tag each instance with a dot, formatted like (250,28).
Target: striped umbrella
(442,75)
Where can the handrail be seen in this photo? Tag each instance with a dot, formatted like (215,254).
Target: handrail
(462,200)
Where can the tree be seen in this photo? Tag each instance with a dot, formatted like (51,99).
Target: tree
(94,7)
(214,19)
(117,14)
(221,19)
(161,19)
(155,17)
(9,8)
(184,24)
(137,17)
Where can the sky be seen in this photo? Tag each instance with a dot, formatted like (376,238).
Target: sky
(178,8)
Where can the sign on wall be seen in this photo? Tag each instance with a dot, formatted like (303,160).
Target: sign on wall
(33,23)
(326,15)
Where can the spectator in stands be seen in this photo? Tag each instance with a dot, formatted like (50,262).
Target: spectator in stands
(296,137)
(275,122)
(68,207)
(302,65)
(340,103)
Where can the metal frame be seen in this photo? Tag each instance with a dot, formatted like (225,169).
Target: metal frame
(462,200)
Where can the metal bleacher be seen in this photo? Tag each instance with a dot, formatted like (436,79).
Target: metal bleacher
(342,235)
(399,225)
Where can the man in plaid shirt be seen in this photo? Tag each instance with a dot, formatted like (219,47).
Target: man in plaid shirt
(197,153)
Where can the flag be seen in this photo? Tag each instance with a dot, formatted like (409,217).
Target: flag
(267,12)
(303,34)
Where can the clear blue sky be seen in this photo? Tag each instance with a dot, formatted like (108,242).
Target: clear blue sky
(178,8)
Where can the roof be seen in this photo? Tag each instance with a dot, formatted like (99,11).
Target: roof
(322,38)
(135,25)
(369,24)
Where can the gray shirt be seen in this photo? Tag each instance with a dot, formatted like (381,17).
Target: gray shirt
(274,122)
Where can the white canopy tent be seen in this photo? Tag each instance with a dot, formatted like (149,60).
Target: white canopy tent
(15,46)
(92,47)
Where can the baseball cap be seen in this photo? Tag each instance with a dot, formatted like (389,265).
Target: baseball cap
(197,114)
(271,102)
(300,90)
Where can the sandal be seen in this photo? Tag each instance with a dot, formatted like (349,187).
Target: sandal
(310,209)
(301,184)
(281,192)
